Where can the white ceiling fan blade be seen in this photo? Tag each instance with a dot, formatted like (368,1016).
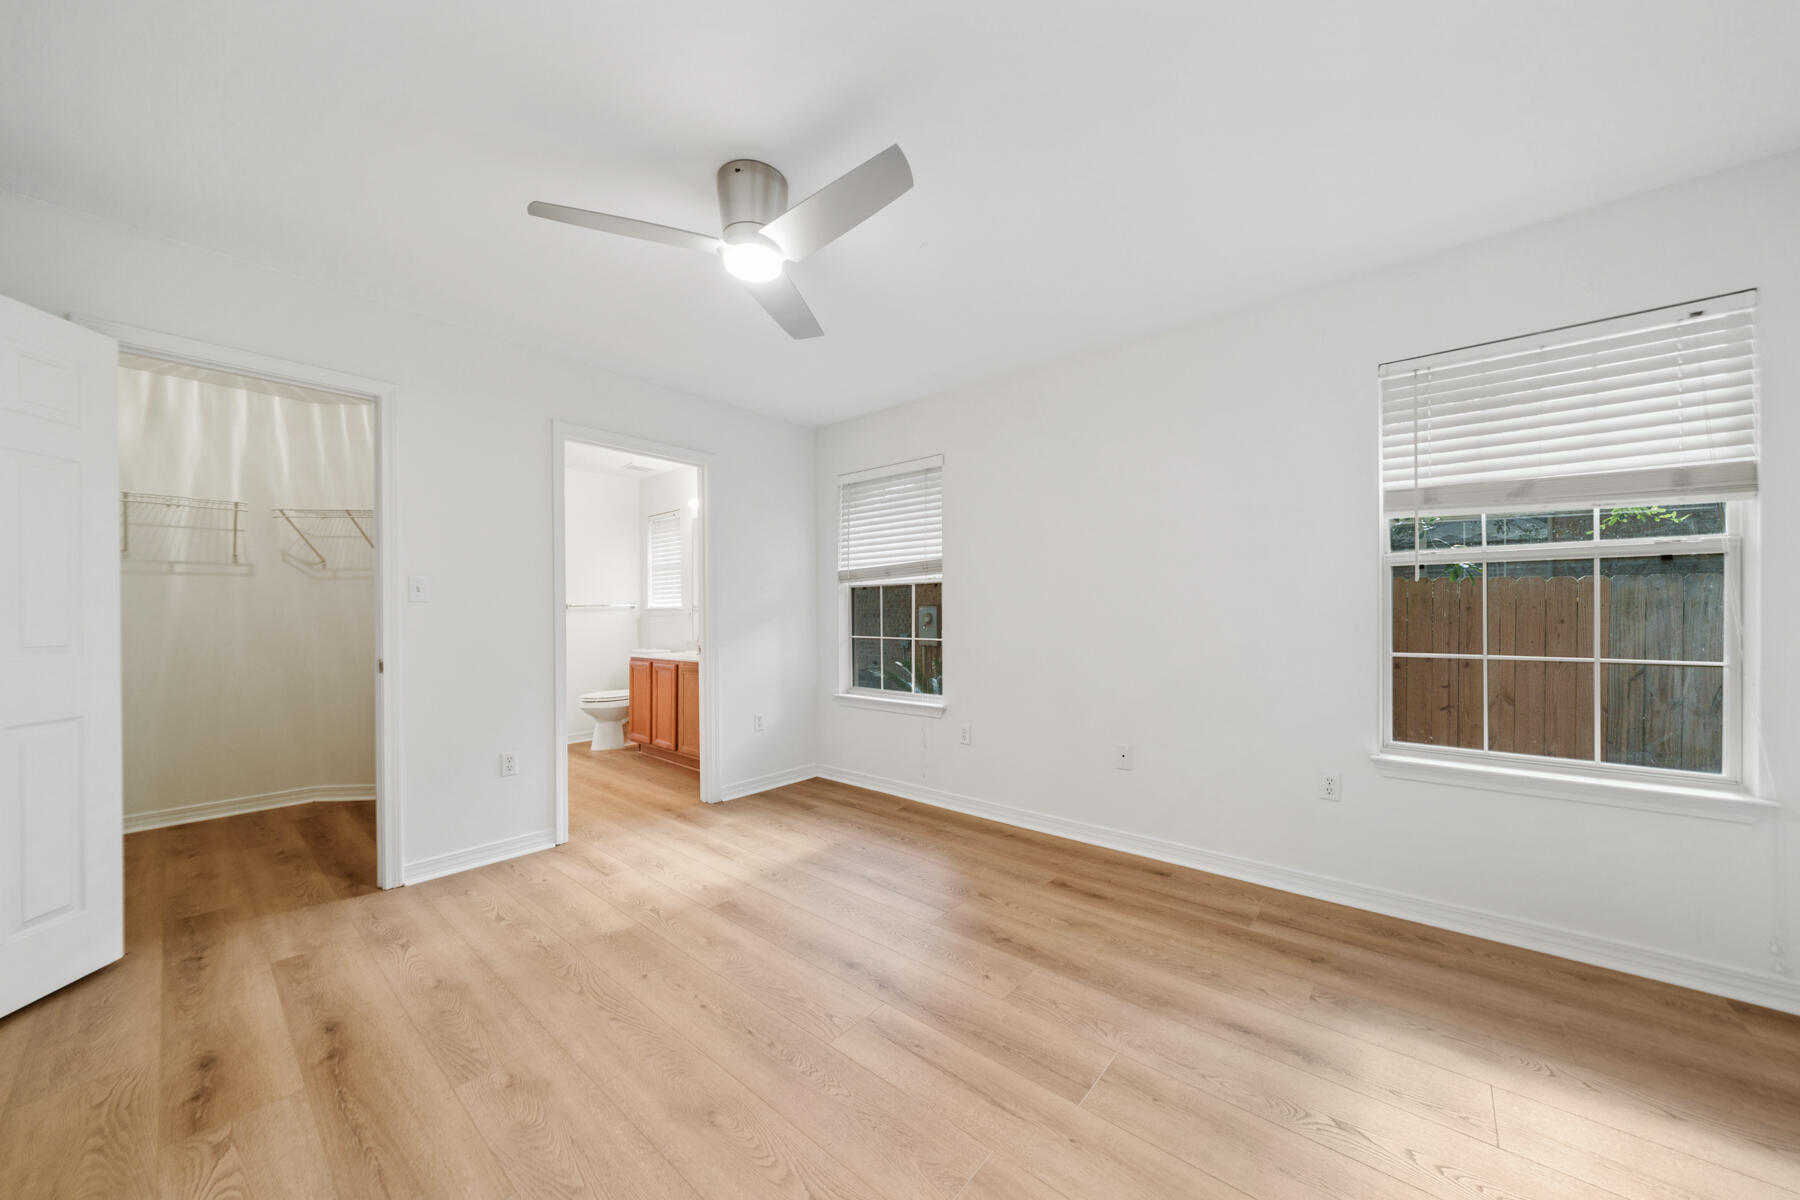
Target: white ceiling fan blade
(781,299)
(841,205)
(607,223)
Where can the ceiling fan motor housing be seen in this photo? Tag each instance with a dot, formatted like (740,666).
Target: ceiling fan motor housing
(751,194)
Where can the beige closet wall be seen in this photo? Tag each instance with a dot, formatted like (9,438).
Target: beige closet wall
(245,682)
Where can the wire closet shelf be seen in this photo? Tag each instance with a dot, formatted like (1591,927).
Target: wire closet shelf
(332,541)
(181,529)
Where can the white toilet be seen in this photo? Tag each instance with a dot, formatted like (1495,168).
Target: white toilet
(609,710)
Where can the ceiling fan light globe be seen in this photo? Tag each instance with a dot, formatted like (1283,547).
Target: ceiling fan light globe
(752,262)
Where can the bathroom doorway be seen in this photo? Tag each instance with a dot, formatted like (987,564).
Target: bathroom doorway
(257,589)
(634,683)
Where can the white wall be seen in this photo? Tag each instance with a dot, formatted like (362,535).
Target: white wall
(603,566)
(1114,574)
(473,434)
(671,490)
(259,678)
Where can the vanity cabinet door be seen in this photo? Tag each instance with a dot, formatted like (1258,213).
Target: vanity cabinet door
(637,722)
(687,724)
(664,683)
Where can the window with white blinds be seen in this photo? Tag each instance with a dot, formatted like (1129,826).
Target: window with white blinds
(891,522)
(1654,405)
(664,567)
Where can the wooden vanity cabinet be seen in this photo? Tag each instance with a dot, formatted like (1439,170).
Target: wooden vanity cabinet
(687,710)
(664,718)
(637,717)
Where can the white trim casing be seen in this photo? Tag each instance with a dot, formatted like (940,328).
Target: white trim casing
(900,468)
(206,810)
(1733,793)
(1721,979)
(767,783)
(478,856)
(389,822)
(848,695)
(862,698)
(1528,775)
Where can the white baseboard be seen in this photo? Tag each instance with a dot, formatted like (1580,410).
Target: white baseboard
(763,783)
(207,810)
(1720,979)
(477,856)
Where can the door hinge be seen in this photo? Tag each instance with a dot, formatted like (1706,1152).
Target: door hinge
(380,666)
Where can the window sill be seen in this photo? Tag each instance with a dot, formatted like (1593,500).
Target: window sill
(1722,802)
(916,708)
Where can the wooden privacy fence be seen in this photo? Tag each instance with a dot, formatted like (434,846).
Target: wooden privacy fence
(1654,716)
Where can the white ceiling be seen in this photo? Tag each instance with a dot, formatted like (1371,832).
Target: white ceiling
(1086,172)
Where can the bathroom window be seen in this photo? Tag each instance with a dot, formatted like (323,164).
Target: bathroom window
(890,569)
(663,573)
(1562,546)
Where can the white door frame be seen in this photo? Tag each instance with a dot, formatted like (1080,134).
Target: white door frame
(388,589)
(561,434)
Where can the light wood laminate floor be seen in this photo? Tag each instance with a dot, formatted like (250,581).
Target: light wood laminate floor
(823,991)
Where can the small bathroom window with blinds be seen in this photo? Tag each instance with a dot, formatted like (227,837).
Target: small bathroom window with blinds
(1561,543)
(663,571)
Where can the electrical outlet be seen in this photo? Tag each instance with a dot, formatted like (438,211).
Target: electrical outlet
(1122,758)
(509,763)
(756,725)
(968,735)
(1331,787)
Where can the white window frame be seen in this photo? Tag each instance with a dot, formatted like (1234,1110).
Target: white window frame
(650,604)
(849,695)
(1729,794)
(927,703)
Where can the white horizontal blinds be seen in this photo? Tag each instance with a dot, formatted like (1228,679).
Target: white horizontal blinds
(1656,405)
(891,521)
(665,561)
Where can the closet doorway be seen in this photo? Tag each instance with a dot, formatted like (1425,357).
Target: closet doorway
(257,590)
(636,687)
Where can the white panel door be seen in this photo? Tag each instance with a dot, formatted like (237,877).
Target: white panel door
(61,875)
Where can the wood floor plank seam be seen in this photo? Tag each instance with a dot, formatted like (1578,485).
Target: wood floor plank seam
(1102,1075)
(1185,1013)
(964,1190)
(1591,1096)
(1346,1139)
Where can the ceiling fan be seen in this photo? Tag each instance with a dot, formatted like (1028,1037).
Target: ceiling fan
(760,233)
